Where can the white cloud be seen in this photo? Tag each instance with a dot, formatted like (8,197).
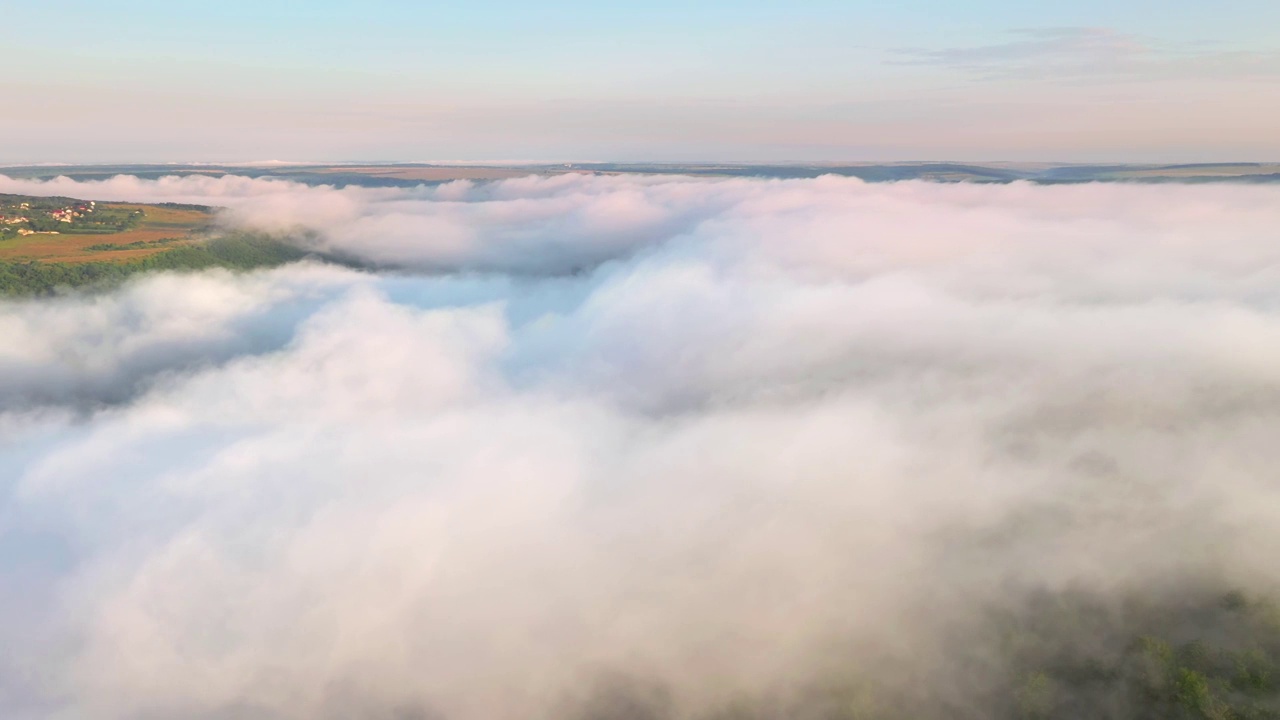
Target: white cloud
(771,413)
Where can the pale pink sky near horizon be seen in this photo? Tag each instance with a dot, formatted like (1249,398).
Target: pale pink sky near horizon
(752,81)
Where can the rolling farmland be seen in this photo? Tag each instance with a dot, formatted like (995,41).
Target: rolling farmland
(157,229)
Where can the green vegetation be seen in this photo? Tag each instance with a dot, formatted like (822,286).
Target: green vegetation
(136,245)
(106,221)
(1200,658)
(1059,656)
(53,244)
(67,230)
(69,216)
(239,252)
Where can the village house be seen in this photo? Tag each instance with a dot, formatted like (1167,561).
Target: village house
(65,215)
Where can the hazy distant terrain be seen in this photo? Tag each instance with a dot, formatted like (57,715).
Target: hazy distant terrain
(410,174)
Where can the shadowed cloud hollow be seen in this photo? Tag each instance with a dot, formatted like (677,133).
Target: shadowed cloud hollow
(721,436)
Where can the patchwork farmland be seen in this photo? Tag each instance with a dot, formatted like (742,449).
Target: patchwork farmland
(62,230)
(56,245)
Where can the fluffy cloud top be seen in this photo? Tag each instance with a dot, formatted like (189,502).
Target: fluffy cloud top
(695,430)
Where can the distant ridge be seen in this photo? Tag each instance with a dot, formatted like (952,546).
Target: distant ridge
(414,174)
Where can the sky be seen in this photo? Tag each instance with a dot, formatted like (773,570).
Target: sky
(761,80)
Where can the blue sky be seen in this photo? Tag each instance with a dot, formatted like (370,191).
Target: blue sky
(755,80)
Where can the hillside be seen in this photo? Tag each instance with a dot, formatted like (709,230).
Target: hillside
(67,230)
(53,244)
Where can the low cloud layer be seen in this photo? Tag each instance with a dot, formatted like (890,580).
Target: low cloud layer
(716,435)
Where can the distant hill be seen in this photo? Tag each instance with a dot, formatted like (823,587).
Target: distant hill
(414,174)
(50,244)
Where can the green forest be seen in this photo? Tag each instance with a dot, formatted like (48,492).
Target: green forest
(239,251)
(1057,656)
(1194,656)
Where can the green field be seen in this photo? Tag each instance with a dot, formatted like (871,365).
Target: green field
(105,243)
(239,251)
(98,232)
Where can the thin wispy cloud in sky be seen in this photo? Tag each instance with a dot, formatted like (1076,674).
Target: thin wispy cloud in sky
(1052,49)
(1098,53)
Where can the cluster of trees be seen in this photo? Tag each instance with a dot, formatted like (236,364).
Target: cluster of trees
(136,245)
(105,220)
(1060,656)
(1196,656)
(12,203)
(238,251)
(186,206)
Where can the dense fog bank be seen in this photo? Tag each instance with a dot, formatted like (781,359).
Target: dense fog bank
(627,448)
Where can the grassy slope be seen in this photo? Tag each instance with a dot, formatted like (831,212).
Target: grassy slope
(163,237)
(160,227)
(237,251)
